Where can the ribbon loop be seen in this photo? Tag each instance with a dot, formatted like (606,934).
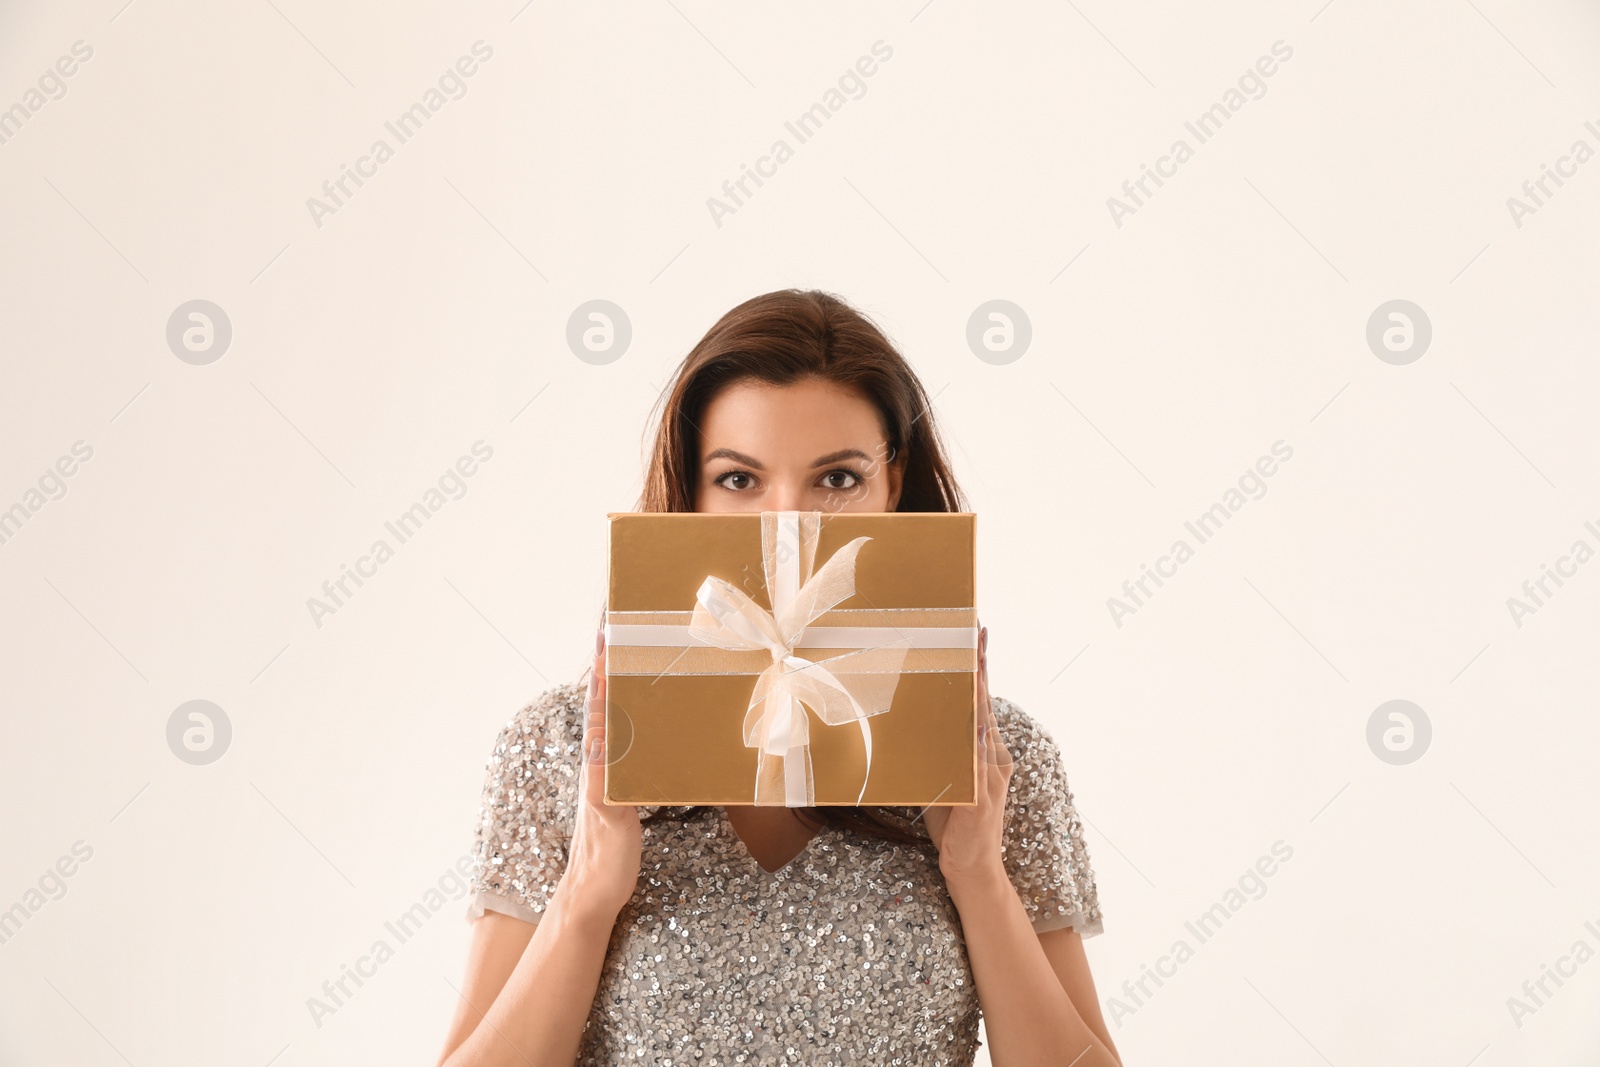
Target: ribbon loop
(775,722)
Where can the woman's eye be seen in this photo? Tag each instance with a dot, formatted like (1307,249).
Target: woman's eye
(735,480)
(840,479)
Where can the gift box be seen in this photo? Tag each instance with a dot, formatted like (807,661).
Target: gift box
(791,658)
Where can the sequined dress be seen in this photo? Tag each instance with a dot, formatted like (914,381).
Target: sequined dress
(851,953)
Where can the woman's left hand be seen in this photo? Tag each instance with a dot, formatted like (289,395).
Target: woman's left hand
(968,838)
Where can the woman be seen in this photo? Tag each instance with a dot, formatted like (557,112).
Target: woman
(771,934)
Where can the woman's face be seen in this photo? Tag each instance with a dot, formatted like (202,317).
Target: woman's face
(809,446)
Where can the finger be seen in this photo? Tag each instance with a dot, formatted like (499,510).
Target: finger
(597,681)
(1002,762)
(1000,757)
(981,782)
(986,706)
(985,715)
(989,782)
(980,682)
(594,768)
(594,730)
(985,709)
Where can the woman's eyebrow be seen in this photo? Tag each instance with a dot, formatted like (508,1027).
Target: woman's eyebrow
(737,457)
(821,461)
(843,453)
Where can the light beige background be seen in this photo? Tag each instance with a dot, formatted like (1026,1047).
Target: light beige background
(1168,354)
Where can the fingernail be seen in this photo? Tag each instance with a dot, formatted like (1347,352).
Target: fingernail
(596,750)
(599,640)
(982,732)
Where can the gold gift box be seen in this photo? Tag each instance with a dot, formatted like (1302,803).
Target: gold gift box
(679,706)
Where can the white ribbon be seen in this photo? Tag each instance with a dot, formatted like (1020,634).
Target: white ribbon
(666,635)
(775,722)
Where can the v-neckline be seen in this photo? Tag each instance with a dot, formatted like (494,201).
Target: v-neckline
(749,859)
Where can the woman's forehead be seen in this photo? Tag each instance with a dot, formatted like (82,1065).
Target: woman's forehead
(811,418)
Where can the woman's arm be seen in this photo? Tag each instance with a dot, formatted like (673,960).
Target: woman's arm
(498,942)
(530,987)
(1064,949)
(1027,1012)
(1023,989)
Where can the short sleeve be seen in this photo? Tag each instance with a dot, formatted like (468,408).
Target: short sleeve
(1043,847)
(527,810)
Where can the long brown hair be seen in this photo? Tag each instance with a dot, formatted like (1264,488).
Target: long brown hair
(779,338)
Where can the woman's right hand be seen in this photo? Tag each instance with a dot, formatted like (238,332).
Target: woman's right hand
(603,861)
